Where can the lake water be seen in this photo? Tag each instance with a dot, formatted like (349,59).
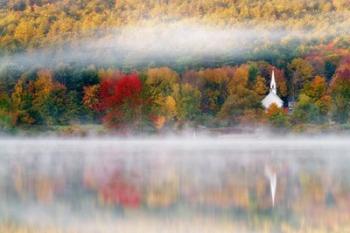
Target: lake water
(224,184)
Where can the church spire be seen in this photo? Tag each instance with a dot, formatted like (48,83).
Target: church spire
(272,97)
(273,85)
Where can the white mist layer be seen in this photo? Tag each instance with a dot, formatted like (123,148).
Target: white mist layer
(234,141)
(165,41)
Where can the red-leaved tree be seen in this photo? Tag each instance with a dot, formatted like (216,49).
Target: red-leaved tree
(121,101)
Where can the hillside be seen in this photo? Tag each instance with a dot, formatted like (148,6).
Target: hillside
(26,24)
(155,65)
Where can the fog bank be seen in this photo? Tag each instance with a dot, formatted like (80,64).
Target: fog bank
(166,42)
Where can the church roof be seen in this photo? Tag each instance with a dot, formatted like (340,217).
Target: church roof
(272,98)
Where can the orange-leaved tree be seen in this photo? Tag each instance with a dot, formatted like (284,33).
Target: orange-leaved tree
(277,116)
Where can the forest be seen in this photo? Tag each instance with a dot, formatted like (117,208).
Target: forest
(157,94)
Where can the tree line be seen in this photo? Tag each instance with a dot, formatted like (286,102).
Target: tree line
(315,91)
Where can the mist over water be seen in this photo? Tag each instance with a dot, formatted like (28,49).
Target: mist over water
(182,184)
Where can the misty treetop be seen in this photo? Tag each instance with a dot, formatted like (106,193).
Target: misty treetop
(113,33)
(27,24)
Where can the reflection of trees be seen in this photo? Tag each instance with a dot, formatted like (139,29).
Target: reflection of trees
(127,180)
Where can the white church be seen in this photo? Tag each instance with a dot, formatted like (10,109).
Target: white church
(272,97)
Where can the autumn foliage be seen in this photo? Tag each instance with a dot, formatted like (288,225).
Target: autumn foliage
(276,116)
(120,99)
(157,99)
(340,90)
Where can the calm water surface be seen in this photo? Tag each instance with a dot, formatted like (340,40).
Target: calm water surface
(175,185)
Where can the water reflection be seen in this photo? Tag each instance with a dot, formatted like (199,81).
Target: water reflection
(203,185)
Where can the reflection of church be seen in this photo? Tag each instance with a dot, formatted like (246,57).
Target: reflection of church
(272,97)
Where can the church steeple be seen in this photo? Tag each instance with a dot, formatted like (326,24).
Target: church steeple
(272,97)
(273,85)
